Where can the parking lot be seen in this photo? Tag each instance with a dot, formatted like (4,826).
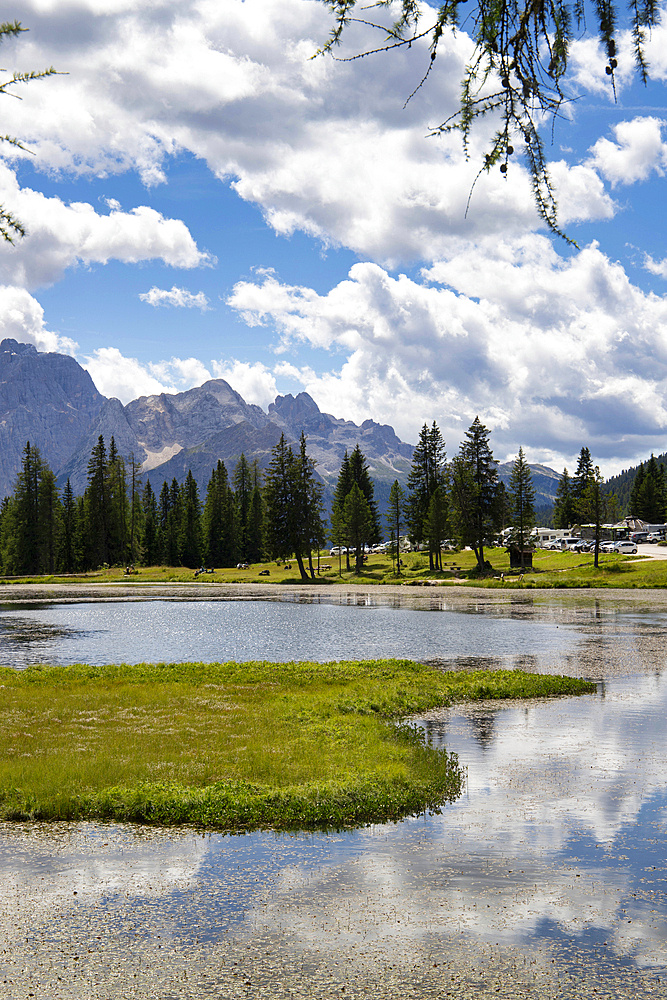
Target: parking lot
(654,551)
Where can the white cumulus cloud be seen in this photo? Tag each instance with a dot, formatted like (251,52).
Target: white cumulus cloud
(551,353)
(62,235)
(114,374)
(124,378)
(658,267)
(22,319)
(637,152)
(175,297)
(255,382)
(324,147)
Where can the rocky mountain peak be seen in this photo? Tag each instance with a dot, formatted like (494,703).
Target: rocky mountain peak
(47,399)
(12,346)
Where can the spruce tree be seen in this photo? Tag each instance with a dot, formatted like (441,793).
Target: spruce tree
(21,542)
(255,527)
(97,507)
(361,476)
(359,522)
(118,512)
(339,536)
(426,477)
(31,519)
(136,509)
(48,519)
(278,498)
(436,527)
(172,530)
(164,506)
(243,487)
(482,518)
(582,477)
(344,484)
(395,518)
(68,553)
(522,500)
(564,513)
(219,520)
(309,503)
(4,508)
(594,505)
(462,499)
(633,502)
(150,540)
(293,502)
(190,534)
(649,492)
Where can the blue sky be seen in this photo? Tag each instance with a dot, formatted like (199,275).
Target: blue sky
(204,200)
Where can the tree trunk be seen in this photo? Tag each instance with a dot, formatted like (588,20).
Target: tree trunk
(302,568)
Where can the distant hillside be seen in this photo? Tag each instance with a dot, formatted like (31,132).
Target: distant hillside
(545,481)
(621,484)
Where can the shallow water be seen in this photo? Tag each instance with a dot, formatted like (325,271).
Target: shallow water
(547,878)
(139,631)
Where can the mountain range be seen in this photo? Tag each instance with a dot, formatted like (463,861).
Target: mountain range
(51,401)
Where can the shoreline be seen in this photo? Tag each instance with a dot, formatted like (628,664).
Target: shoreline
(373,594)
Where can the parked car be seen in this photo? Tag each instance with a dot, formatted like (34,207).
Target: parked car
(567,543)
(655,537)
(338,550)
(608,546)
(638,536)
(625,547)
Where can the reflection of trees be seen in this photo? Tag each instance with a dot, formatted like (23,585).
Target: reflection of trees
(26,631)
(483,729)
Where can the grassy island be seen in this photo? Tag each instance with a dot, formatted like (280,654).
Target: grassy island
(235,746)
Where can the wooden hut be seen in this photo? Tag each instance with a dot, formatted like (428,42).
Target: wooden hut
(515,556)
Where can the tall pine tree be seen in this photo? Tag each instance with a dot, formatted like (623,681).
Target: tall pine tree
(361,476)
(475,496)
(426,477)
(118,512)
(150,534)
(564,504)
(522,501)
(344,484)
(68,554)
(190,533)
(97,507)
(293,504)
(219,520)
(396,519)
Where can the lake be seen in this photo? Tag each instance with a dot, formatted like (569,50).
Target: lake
(547,878)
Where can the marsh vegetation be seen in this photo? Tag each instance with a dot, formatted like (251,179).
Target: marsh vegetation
(236,746)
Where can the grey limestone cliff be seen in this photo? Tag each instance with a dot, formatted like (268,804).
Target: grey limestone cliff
(47,399)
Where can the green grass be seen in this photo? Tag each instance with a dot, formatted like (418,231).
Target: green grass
(236,745)
(550,570)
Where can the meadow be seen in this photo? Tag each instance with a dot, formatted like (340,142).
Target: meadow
(550,570)
(236,746)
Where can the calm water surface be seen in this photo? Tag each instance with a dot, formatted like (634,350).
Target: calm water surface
(547,878)
(138,631)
